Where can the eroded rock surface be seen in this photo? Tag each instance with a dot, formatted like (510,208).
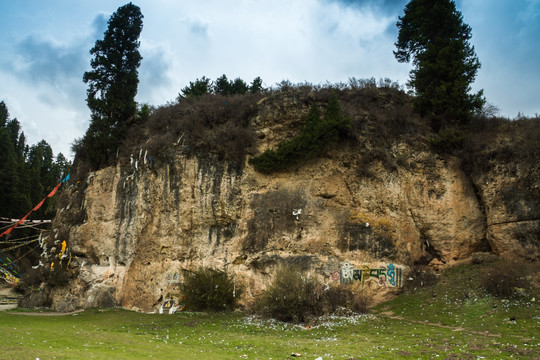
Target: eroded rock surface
(135,227)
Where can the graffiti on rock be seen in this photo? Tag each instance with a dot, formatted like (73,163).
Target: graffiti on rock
(172,278)
(388,275)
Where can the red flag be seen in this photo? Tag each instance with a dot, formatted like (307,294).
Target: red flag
(23,219)
(54,190)
(7,231)
(38,205)
(51,194)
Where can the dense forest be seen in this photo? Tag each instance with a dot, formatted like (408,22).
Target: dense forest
(28,173)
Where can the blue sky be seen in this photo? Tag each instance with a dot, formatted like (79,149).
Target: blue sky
(45,50)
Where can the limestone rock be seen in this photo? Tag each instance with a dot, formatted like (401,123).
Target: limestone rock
(137,230)
(508,183)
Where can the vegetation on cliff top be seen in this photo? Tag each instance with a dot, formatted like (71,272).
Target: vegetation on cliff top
(222,86)
(227,128)
(315,136)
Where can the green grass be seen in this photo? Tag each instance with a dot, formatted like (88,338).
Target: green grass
(454,319)
(458,303)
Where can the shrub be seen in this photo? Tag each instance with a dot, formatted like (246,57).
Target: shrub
(144,111)
(448,139)
(420,276)
(350,298)
(361,301)
(209,289)
(315,136)
(290,297)
(31,279)
(504,278)
(337,298)
(493,142)
(59,275)
(208,126)
(294,298)
(55,273)
(221,86)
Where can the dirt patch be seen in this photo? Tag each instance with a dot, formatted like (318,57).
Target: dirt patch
(389,314)
(380,297)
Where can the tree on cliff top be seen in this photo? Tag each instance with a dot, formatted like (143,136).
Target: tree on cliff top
(433,34)
(113,83)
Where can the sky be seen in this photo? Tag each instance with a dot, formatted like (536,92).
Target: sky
(45,46)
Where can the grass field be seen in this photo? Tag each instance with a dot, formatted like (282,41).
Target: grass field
(453,319)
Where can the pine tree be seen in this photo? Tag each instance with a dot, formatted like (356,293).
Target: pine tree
(10,205)
(223,86)
(256,85)
(14,187)
(113,83)
(27,174)
(239,86)
(432,33)
(198,88)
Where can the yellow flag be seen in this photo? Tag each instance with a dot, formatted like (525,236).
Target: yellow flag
(63,249)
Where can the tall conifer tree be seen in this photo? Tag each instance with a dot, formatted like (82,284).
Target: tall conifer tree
(432,33)
(113,83)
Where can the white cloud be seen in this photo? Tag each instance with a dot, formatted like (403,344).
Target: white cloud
(154,73)
(301,41)
(44,114)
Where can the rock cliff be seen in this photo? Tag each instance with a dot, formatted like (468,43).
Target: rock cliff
(374,199)
(506,174)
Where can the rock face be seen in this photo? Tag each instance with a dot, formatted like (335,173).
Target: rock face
(143,223)
(508,182)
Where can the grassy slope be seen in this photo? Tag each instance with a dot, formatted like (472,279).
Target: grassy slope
(459,304)
(451,320)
